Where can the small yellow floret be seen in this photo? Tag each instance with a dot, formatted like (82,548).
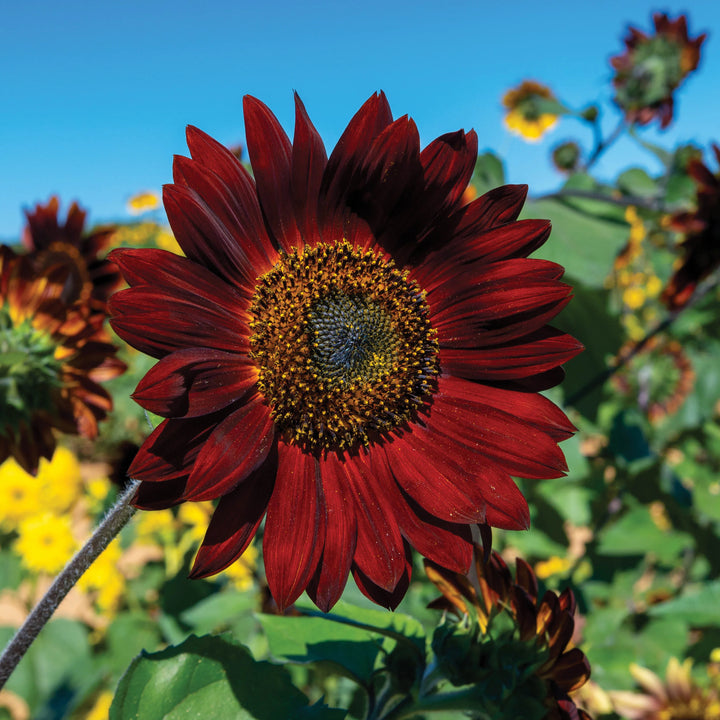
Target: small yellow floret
(101,709)
(60,479)
(552,566)
(240,573)
(634,297)
(45,543)
(143,202)
(20,494)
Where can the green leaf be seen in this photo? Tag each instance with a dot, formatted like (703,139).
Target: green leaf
(218,610)
(317,639)
(210,677)
(59,657)
(699,606)
(637,182)
(635,533)
(395,625)
(126,636)
(489,172)
(584,245)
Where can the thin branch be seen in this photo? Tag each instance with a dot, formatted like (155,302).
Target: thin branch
(116,518)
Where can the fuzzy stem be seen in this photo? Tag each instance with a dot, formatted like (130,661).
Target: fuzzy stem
(114,521)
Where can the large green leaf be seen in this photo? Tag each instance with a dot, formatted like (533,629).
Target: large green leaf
(584,245)
(210,677)
(316,639)
(489,172)
(699,606)
(636,181)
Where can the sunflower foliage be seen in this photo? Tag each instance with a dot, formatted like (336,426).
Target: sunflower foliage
(347,381)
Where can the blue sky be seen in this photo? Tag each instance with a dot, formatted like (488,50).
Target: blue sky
(94,97)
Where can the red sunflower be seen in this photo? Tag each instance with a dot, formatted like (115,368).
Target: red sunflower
(52,359)
(91,278)
(653,67)
(701,248)
(348,349)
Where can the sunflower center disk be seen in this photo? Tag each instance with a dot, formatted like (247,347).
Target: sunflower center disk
(343,344)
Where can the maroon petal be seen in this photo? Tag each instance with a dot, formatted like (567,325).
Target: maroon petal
(389,599)
(295,525)
(237,446)
(235,521)
(160,320)
(448,163)
(533,354)
(171,449)
(352,147)
(379,553)
(309,160)
(195,381)
(159,495)
(432,471)
(237,253)
(270,154)
(445,543)
(241,186)
(519,448)
(332,572)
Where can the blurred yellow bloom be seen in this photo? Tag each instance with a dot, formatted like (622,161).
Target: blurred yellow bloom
(526,115)
(165,240)
(97,490)
(101,709)
(552,566)
(20,494)
(653,286)
(241,572)
(659,515)
(634,297)
(634,328)
(152,525)
(45,543)
(143,202)
(104,577)
(60,480)
(197,516)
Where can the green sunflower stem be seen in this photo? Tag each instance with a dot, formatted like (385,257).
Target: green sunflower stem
(459,700)
(116,518)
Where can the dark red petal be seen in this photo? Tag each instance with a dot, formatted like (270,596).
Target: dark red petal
(241,186)
(159,495)
(270,154)
(238,253)
(432,471)
(530,408)
(447,544)
(351,149)
(496,207)
(389,599)
(160,320)
(533,354)
(171,449)
(235,521)
(448,163)
(295,525)
(379,553)
(309,160)
(195,381)
(331,575)
(237,447)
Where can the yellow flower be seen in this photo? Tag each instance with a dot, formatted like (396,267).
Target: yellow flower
(634,297)
(166,241)
(97,490)
(653,286)
(20,494)
(150,526)
(45,543)
(196,515)
(240,573)
(526,115)
(60,480)
(101,709)
(143,202)
(104,577)
(552,566)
